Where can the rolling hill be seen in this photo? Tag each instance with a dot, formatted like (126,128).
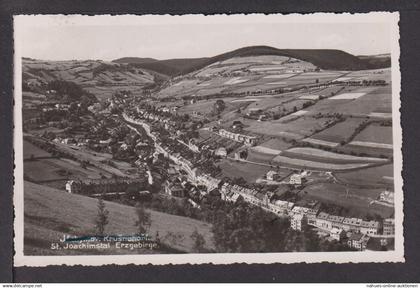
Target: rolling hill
(100,78)
(134,74)
(323,58)
(328,59)
(46,222)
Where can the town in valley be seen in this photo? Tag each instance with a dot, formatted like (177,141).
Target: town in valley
(255,150)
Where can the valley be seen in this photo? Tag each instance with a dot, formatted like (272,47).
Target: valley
(284,131)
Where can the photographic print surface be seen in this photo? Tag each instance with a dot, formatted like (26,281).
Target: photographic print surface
(207,139)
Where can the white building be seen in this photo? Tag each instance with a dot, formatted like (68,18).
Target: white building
(221,152)
(323,222)
(69,186)
(298,178)
(389,226)
(352,224)
(336,234)
(387,196)
(369,227)
(358,241)
(272,175)
(296,222)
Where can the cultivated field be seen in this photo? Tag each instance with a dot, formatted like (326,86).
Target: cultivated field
(276,144)
(376,151)
(374,99)
(375,133)
(328,157)
(297,129)
(379,74)
(339,132)
(381,175)
(259,156)
(315,165)
(348,96)
(265,150)
(271,102)
(205,107)
(50,170)
(250,172)
(98,77)
(248,75)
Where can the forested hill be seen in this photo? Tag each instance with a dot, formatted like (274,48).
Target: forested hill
(328,59)
(169,67)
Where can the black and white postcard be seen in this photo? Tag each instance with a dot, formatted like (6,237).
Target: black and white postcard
(207,139)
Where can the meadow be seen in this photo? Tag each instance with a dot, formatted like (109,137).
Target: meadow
(250,172)
(380,175)
(297,129)
(340,131)
(314,165)
(276,143)
(356,201)
(319,155)
(47,222)
(30,150)
(375,133)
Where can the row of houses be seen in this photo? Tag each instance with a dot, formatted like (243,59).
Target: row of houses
(357,231)
(336,226)
(328,222)
(246,139)
(356,240)
(231,193)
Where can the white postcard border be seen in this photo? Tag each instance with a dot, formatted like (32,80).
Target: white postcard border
(396,255)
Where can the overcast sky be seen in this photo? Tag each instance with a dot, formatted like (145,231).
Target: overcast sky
(167,37)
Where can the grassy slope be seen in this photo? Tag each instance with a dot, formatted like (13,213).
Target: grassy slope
(51,213)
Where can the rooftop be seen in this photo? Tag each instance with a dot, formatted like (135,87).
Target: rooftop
(335,218)
(389,221)
(323,216)
(352,221)
(370,224)
(336,231)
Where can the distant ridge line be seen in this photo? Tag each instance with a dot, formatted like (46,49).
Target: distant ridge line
(328,59)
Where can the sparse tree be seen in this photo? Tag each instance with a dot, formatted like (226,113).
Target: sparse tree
(157,237)
(144,221)
(101,218)
(199,241)
(219,106)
